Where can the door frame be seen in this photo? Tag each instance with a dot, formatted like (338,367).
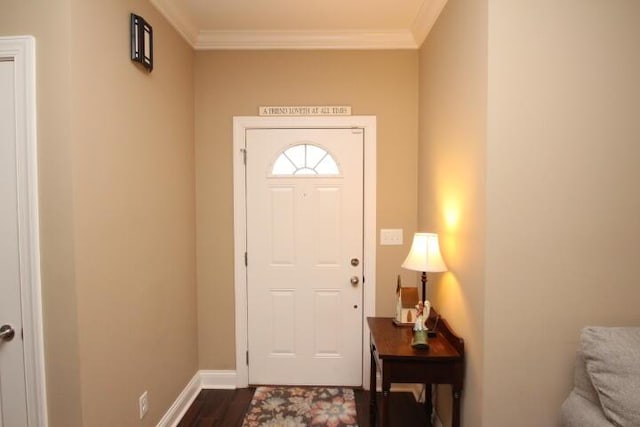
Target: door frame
(240,125)
(21,51)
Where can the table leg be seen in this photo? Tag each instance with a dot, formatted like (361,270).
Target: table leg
(373,408)
(428,401)
(457,394)
(386,394)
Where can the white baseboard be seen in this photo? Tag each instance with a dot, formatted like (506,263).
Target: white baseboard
(175,413)
(416,389)
(218,379)
(201,380)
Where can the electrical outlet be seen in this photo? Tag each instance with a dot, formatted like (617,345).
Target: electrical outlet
(143,404)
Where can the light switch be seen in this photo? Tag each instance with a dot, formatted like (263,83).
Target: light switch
(391,236)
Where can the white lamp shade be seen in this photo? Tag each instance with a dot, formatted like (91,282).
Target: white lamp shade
(425,254)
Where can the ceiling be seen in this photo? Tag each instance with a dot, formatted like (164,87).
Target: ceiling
(302,24)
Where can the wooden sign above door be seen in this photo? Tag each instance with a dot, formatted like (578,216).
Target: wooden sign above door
(307,110)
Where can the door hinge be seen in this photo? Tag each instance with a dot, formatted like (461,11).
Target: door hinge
(244,155)
(247,357)
(246,260)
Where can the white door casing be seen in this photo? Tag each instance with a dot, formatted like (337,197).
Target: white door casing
(22,376)
(303,229)
(13,408)
(241,126)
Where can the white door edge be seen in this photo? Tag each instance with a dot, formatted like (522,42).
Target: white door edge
(22,51)
(240,125)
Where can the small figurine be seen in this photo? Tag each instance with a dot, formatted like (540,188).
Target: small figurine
(422,314)
(419,325)
(419,340)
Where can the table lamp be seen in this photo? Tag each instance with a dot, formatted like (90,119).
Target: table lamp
(425,257)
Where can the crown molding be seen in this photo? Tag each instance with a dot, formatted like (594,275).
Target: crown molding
(426,18)
(349,39)
(372,39)
(178,19)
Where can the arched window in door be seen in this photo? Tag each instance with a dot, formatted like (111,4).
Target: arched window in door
(305,159)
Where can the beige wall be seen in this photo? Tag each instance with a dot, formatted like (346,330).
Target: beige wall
(451,201)
(48,22)
(527,148)
(529,129)
(134,205)
(116,172)
(227,84)
(563,206)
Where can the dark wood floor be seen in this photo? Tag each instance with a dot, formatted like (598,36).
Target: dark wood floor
(226,408)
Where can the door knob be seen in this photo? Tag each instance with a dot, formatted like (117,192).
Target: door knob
(355,262)
(355,280)
(7,333)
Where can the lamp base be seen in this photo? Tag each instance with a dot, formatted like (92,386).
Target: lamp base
(419,340)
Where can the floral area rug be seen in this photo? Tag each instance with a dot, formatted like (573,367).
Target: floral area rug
(301,407)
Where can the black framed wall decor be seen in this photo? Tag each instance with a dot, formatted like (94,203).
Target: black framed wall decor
(141,42)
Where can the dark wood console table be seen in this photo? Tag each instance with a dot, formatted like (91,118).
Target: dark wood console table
(392,354)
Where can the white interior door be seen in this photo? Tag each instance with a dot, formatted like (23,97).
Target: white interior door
(13,407)
(304,251)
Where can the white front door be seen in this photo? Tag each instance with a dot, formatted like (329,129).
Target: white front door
(305,255)
(13,407)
